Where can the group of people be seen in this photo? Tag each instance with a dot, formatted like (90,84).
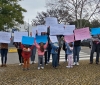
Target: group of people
(72,50)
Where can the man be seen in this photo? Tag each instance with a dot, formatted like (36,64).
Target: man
(95,46)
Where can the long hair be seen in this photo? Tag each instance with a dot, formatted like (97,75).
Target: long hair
(41,47)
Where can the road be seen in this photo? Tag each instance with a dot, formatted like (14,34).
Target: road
(13,57)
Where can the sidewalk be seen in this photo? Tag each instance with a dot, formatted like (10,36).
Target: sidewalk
(84,74)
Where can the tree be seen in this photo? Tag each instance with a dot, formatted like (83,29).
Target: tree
(62,16)
(95,23)
(79,9)
(10,13)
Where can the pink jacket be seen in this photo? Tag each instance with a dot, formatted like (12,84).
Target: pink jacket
(38,47)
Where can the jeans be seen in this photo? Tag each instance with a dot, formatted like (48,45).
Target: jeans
(49,52)
(45,54)
(4,55)
(76,52)
(54,60)
(33,54)
(20,55)
(59,54)
(96,48)
(40,58)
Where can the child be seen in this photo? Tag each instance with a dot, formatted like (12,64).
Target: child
(69,52)
(41,49)
(26,53)
(54,52)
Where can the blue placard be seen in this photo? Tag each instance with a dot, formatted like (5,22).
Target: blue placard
(95,31)
(42,39)
(27,40)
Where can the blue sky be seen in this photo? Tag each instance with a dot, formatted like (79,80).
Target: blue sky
(32,7)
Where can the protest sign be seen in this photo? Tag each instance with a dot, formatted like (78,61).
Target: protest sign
(27,40)
(95,31)
(53,39)
(5,37)
(69,38)
(81,34)
(42,39)
(18,36)
(69,30)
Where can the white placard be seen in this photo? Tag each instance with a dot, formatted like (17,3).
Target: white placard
(18,36)
(49,21)
(57,29)
(41,28)
(69,30)
(34,32)
(5,37)
(53,39)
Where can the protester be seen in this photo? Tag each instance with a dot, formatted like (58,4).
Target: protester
(54,52)
(95,47)
(33,53)
(76,51)
(41,50)
(26,53)
(19,50)
(4,51)
(69,52)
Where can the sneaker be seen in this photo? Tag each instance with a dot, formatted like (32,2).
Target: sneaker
(34,61)
(38,68)
(71,66)
(68,66)
(28,69)
(20,64)
(31,62)
(77,63)
(74,63)
(40,64)
(42,67)
(46,64)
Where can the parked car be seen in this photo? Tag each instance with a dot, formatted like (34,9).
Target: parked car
(86,42)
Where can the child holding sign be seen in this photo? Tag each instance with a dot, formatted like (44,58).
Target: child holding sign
(41,50)
(69,52)
(26,53)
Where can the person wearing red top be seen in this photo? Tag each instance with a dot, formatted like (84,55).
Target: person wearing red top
(26,53)
(41,50)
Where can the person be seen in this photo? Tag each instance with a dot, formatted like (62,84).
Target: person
(19,50)
(95,47)
(76,51)
(26,53)
(69,52)
(41,50)
(65,49)
(49,45)
(54,52)
(4,51)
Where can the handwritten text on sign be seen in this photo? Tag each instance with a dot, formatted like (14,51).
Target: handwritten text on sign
(81,34)
(5,37)
(18,36)
(53,39)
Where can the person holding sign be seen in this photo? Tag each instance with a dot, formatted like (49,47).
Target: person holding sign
(4,51)
(26,53)
(41,50)
(54,52)
(69,52)
(95,47)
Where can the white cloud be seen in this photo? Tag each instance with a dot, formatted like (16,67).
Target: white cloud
(32,7)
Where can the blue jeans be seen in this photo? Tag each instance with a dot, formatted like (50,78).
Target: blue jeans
(33,54)
(4,55)
(40,61)
(76,52)
(55,60)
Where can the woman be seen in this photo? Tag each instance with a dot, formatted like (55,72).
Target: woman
(4,51)
(19,50)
